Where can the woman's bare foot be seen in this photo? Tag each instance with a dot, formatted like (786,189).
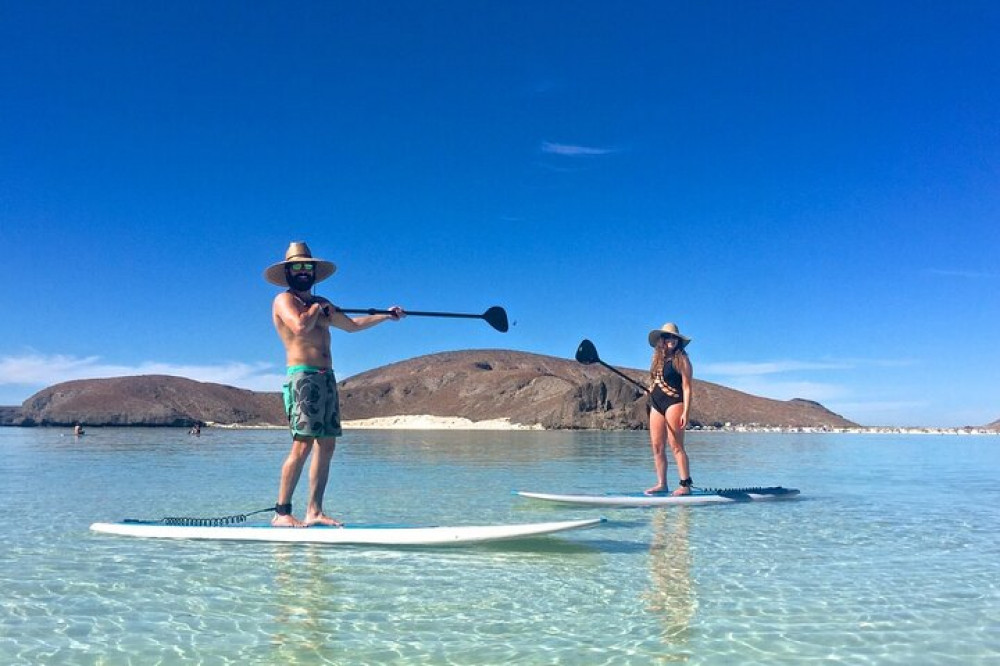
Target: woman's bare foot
(286,520)
(655,490)
(683,490)
(322,519)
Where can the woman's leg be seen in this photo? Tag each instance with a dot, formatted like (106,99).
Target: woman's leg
(675,435)
(658,442)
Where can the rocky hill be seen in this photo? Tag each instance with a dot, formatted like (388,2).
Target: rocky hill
(148,400)
(555,392)
(478,385)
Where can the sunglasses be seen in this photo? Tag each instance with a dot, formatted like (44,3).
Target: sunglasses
(303,267)
(668,337)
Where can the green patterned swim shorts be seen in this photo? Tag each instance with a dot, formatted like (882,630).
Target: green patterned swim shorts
(312,403)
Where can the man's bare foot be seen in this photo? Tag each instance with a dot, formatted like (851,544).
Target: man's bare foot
(683,490)
(322,519)
(287,520)
(655,490)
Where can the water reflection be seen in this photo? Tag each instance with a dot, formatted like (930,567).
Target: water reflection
(306,600)
(671,594)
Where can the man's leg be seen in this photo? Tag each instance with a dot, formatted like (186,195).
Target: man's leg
(319,474)
(290,472)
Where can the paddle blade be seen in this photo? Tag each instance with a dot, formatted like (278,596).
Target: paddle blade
(497,318)
(586,353)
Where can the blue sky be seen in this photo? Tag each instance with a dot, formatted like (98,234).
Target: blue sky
(810,190)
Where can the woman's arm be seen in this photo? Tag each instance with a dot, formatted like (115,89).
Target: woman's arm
(683,365)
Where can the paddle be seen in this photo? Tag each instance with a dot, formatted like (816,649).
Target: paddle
(495,316)
(586,353)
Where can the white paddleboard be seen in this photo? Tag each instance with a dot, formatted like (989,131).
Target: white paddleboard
(723,496)
(381,535)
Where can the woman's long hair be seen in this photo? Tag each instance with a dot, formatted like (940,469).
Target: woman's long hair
(659,360)
(656,368)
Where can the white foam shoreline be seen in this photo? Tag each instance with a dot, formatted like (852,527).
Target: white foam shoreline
(427,422)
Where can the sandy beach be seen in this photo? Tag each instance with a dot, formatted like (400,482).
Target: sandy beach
(426,422)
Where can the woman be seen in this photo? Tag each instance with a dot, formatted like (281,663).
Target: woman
(669,405)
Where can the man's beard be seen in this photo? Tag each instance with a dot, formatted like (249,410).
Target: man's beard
(301,282)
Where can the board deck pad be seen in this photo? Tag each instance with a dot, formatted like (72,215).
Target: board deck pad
(384,535)
(709,496)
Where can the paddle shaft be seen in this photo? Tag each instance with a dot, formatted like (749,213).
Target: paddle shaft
(586,353)
(623,375)
(496,316)
(410,313)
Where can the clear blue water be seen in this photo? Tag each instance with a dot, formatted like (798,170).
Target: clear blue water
(891,555)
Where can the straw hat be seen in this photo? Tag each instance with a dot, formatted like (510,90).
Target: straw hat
(668,329)
(297,252)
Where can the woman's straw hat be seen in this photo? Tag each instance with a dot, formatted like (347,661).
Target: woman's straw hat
(298,252)
(668,329)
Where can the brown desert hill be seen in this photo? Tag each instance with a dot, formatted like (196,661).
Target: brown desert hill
(477,385)
(554,392)
(149,400)
(993,426)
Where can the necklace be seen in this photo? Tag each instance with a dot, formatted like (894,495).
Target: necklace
(301,300)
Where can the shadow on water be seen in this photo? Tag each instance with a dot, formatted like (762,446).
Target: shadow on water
(610,537)
(541,547)
(619,546)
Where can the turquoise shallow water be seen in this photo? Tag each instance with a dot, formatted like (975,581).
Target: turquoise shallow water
(891,555)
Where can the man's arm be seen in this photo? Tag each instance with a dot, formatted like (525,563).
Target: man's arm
(339,320)
(299,319)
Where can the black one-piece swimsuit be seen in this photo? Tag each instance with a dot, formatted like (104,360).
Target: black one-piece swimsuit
(668,389)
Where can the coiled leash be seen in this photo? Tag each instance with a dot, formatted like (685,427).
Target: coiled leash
(742,494)
(280,509)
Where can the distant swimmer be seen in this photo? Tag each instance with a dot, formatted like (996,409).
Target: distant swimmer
(312,405)
(195,430)
(78,430)
(669,405)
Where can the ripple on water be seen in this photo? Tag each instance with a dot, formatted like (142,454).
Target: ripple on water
(866,568)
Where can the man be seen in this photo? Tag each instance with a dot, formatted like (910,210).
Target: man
(312,405)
